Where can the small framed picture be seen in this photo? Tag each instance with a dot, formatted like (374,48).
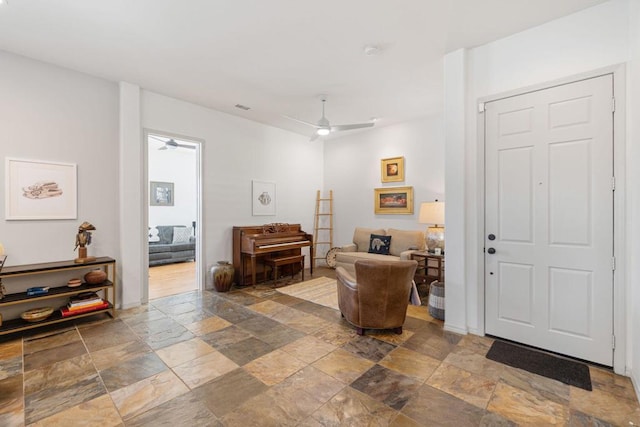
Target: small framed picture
(392,169)
(263,197)
(161,194)
(393,200)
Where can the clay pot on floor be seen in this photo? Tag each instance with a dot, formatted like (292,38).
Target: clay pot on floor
(222,276)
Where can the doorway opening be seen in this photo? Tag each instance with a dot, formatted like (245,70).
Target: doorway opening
(173,178)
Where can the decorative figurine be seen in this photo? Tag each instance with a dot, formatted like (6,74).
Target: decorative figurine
(83,238)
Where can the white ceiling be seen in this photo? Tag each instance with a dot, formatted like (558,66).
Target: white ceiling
(275,56)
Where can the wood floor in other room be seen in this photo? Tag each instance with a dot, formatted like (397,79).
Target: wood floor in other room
(172,279)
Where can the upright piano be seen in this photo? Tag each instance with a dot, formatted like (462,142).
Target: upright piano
(252,244)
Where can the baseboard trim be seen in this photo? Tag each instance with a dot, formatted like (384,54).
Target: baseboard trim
(457,330)
(129,305)
(634,382)
(475,331)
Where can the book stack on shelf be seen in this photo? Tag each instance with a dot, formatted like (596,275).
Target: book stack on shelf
(84,302)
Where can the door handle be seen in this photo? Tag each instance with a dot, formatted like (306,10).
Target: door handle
(491,251)
(491,237)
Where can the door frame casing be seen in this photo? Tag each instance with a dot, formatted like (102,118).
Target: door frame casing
(199,231)
(620,308)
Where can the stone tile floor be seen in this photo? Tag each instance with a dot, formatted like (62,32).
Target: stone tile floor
(258,357)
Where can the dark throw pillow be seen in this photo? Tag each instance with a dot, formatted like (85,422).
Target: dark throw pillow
(379,244)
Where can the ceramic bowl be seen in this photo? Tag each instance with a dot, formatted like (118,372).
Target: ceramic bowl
(37,314)
(72,283)
(95,277)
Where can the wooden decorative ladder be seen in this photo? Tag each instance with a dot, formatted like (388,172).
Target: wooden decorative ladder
(323,226)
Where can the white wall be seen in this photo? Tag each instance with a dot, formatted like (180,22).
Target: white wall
(633,194)
(588,40)
(53,114)
(235,151)
(132,213)
(455,178)
(584,41)
(352,171)
(179,167)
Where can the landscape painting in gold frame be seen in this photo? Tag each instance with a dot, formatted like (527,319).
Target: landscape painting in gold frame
(392,169)
(393,200)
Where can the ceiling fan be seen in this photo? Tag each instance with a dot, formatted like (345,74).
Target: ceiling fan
(323,127)
(171,144)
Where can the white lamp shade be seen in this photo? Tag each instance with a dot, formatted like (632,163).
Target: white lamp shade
(431,213)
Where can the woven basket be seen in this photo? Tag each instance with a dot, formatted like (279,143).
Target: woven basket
(436,300)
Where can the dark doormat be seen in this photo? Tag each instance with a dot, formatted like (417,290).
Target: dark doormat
(537,362)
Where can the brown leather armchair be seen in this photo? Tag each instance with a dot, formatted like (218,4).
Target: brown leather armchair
(377,298)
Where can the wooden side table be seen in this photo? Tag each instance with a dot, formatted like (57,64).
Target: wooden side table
(430,267)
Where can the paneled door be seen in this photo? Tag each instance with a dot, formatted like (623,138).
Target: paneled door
(549,219)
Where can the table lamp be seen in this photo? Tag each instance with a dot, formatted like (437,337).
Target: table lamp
(433,213)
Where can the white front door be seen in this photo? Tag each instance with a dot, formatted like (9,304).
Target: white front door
(549,219)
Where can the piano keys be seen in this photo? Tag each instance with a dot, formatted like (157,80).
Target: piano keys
(253,244)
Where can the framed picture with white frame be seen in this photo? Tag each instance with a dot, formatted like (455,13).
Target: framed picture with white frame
(263,197)
(36,190)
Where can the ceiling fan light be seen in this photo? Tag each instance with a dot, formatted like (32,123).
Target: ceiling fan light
(323,131)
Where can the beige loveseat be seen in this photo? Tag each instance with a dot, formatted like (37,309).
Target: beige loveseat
(403,243)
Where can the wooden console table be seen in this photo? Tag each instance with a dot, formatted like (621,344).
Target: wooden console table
(44,274)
